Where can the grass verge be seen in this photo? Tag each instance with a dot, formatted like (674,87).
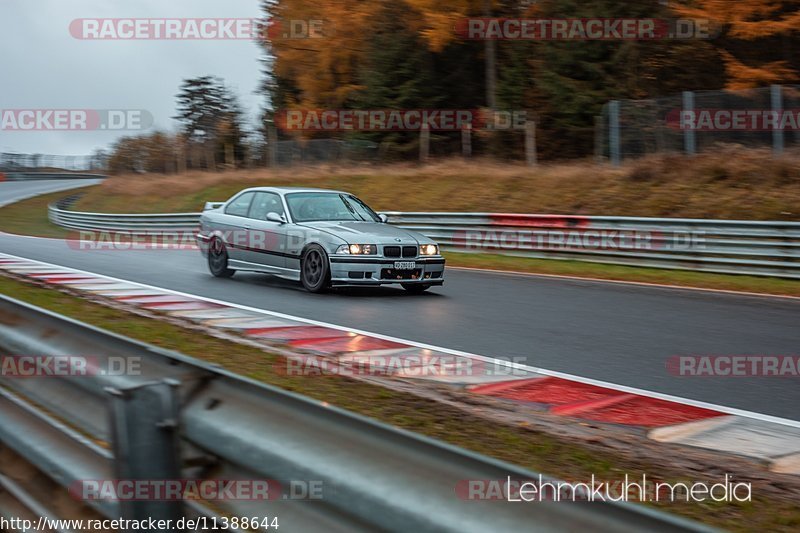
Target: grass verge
(729,183)
(29,217)
(527,447)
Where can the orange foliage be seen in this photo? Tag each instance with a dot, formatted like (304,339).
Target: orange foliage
(749,21)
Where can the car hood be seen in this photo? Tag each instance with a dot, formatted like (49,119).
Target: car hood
(369,232)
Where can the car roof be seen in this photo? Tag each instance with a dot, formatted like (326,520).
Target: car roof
(286,190)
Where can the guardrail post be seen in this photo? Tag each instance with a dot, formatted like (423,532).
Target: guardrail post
(689,142)
(144,428)
(613,132)
(776,101)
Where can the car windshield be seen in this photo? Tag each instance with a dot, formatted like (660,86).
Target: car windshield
(326,206)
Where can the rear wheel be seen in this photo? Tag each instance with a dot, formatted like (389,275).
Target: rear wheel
(415,288)
(218,260)
(315,271)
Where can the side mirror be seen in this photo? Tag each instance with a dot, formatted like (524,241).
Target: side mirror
(275,217)
(383,218)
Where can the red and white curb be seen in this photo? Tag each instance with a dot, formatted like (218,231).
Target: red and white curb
(773,440)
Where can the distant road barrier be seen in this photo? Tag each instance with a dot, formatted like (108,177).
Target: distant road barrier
(25,176)
(721,246)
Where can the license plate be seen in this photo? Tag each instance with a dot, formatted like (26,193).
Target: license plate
(405,265)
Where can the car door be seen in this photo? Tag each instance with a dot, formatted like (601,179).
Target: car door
(233,224)
(266,239)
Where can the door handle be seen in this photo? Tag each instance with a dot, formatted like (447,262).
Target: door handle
(246,226)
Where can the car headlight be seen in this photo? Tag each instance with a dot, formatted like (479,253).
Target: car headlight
(357,249)
(429,249)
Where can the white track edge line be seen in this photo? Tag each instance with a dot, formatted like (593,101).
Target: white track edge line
(552,373)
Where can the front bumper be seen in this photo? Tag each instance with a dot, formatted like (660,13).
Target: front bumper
(349,270)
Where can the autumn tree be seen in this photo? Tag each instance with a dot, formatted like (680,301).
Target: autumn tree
(153,152)
(758,40)
(212,119)
(386,53)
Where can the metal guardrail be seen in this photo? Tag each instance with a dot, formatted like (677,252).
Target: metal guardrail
(60,215)
(721,246)
(12,162)
(180,418)
(30,176)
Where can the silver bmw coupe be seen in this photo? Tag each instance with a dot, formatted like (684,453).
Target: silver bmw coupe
(319,237)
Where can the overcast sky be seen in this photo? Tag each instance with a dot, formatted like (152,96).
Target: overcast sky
(43,67)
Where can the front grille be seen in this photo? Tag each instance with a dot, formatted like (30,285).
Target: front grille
(391,251)
(409,251)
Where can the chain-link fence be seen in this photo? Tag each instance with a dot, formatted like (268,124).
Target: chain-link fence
(10,162)
(696,121)
(287,153)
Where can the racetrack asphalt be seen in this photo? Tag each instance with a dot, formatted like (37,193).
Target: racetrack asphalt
(613,332)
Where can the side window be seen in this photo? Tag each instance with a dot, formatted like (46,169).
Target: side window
(264,203)
(240,205)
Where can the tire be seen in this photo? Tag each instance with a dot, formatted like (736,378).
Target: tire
(415,288)
(315,272)
(218,260)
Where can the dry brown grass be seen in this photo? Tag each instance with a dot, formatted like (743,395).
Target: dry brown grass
(732,183)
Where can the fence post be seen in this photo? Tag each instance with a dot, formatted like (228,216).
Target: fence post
(613,132)
(466,141)
(424,143)
(144,424)
(689,142)
(530,143)
(776,101)
(272,146)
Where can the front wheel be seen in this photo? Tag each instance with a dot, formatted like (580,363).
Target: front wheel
(315,271)
(218,260)
(415,288)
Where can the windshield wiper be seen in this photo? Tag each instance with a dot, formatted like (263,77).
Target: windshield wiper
(350,208)
(366,208)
